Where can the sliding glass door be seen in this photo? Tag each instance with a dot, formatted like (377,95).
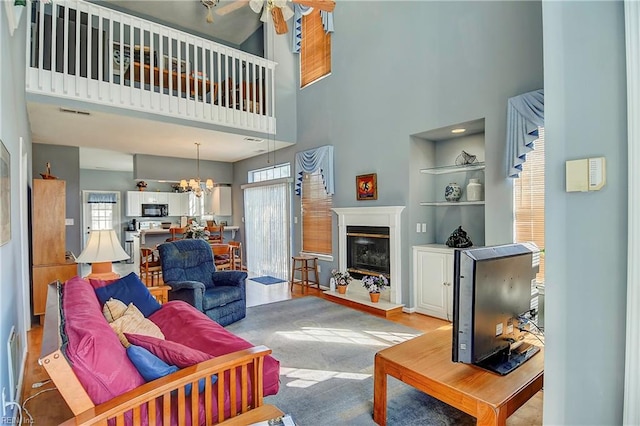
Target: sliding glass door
(267,222)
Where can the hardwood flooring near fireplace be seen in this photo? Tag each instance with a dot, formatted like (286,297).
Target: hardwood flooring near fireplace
(47,407)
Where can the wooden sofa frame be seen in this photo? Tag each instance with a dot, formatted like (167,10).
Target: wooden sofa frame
(87,413)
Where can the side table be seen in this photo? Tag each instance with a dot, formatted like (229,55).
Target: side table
(160,292)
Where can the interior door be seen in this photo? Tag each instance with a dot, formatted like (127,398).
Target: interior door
(267,222)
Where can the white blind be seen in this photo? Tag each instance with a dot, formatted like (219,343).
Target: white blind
(267,228)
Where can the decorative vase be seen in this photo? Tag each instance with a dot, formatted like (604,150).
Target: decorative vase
(375,297)
(141,188)
(342,289)
(474,190)
(453,192)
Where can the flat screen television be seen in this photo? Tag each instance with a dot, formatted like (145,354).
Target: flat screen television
(491,298)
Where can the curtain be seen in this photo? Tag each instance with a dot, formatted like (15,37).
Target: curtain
(313,160)
(267,229)
(298,12)
(102,197)
(525,113)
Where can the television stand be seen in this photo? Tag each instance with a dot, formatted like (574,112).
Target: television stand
(506,361)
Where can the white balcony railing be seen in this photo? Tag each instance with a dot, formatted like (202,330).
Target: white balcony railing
(98,55)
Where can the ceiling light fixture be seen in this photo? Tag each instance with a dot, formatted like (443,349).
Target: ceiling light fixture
(209,4)
(196,185)
(458,130)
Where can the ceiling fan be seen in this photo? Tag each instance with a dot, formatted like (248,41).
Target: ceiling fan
(278,10)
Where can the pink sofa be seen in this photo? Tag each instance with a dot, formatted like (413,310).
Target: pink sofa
(100,362)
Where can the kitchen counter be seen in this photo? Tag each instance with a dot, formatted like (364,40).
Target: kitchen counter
(159,231)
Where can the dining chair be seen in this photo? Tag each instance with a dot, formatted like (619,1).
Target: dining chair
(216,234)
(176,234)
(150,267)
(221,256)
(236,256)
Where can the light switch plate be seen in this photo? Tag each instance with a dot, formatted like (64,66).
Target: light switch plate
(68,221)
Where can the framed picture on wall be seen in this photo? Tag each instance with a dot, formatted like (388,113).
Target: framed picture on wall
(367,187)
(5,194)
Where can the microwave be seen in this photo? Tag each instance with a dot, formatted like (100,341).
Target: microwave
(155,210)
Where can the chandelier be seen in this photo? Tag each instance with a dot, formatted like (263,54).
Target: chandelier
(196,185)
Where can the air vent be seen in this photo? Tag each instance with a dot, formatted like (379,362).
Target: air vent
(74,111)
(256,140)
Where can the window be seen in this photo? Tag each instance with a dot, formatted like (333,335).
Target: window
(529,200)
(270,173)
(315,49)
(101,216)
(316,215)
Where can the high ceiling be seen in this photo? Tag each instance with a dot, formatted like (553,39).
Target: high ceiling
(106,146)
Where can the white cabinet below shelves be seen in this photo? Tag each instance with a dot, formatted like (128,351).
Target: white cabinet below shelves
(433,280)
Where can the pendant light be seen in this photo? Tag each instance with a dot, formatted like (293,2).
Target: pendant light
(196,185)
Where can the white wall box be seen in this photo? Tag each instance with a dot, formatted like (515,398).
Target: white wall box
(433,280)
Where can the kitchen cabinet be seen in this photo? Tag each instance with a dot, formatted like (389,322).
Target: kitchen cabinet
(222,201)
(433,280)
(155,197)
(176,205)
(134,203)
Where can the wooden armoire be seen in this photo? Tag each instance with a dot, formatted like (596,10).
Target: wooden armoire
(48,241)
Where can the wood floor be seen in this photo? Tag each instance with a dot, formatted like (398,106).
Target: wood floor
(48,408)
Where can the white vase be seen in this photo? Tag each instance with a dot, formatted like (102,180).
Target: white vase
(474,190)
(453,192)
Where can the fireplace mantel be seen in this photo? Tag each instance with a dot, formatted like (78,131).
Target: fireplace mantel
(374,216)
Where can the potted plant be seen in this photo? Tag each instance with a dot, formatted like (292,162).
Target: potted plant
(141,185)
(195,231)
(342,280)
(375,284)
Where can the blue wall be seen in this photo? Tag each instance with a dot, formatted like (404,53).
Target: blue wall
(401,68)
(586,233)
(14,255)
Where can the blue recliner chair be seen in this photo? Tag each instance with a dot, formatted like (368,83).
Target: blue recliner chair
(187,266)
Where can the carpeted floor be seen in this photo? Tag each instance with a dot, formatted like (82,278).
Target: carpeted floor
(326,354)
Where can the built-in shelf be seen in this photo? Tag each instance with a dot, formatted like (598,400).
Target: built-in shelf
(452,169)
(452,203)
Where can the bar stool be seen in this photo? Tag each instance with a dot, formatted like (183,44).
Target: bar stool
(304,264)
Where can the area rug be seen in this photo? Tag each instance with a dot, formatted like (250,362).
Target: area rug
(326,354)
(267,279)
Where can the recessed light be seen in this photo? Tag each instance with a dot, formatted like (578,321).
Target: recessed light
(250,139)
(458,130)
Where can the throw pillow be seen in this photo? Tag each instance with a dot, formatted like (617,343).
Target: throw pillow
(113,309)
(151,367)
(132,321)
(130,289)
(173,353)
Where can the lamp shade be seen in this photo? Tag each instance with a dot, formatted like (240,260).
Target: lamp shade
(103,246)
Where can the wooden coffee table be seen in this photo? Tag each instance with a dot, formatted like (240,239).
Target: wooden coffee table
(425,363)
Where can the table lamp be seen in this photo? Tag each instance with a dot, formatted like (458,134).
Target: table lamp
(102,249)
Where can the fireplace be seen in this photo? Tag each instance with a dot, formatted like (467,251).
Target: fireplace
(374,248)
(368,251)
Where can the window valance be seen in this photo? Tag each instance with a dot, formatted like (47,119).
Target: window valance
(312,160)
(298,12)
(102,197)
(525,113)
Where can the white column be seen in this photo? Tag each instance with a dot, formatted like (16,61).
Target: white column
(631,413)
